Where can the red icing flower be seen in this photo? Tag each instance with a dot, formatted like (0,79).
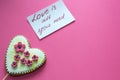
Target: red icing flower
(26,54)
(17,57)
(23,61)
(29,62)
(14,64)
(19,47)
(35,58)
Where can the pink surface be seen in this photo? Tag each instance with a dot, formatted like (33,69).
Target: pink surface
(88,49)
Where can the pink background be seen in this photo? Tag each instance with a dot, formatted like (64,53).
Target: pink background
(88,49)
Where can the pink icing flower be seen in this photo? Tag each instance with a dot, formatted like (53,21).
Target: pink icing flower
(19,47)
(35,58)
(23,61)
(14,64)
(17,57)
(26,54)
(29,62)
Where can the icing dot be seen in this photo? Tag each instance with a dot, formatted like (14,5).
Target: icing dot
(17,57)
(23,61)
(29,62)
(19,47)
(26,54)
(14,64)
(35,58)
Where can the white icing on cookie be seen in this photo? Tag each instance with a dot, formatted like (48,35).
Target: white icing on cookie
(23,68)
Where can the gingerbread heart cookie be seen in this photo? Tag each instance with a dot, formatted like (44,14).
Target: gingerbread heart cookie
(21,59)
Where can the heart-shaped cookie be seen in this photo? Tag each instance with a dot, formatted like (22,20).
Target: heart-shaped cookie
(21,59)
